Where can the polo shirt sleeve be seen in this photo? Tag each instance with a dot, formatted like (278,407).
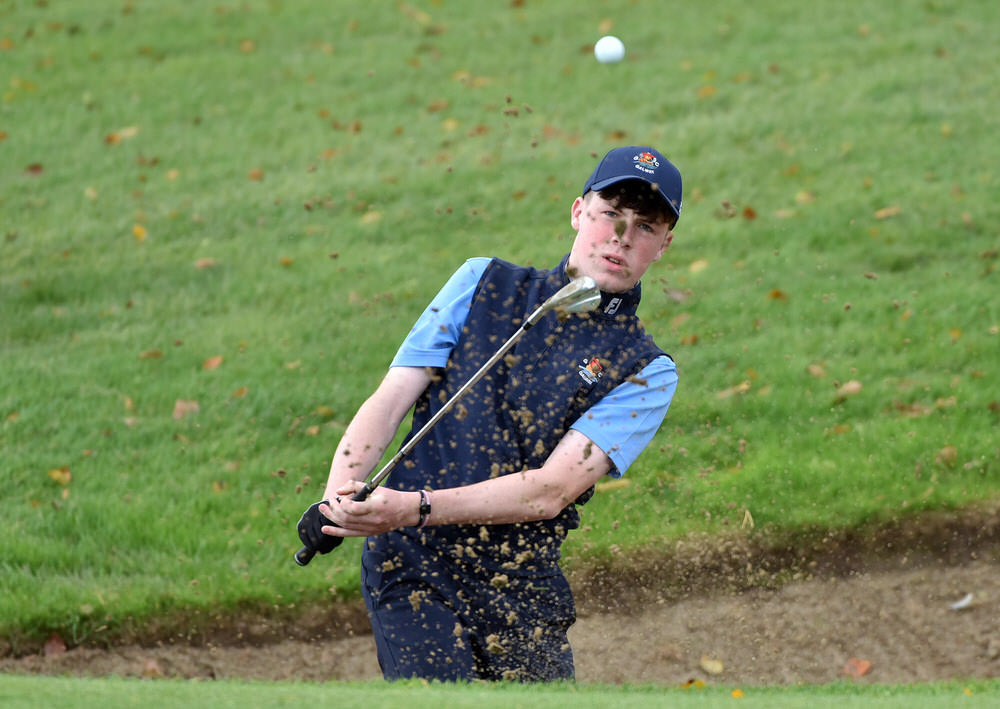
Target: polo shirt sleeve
(625,420)
(433,336)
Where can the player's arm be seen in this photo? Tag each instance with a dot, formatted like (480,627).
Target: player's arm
(541,493)
(374,426)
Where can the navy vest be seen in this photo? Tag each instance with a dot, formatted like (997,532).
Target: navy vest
(512,419)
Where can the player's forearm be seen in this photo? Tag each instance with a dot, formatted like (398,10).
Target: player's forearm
(361,447)
(374,426)
(518,497)
(527,496)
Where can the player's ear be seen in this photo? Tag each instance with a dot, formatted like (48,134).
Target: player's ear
(575,211)
(666,242)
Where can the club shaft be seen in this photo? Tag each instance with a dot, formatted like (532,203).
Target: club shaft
(382,474)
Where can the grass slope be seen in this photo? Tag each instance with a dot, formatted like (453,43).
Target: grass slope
(244,207)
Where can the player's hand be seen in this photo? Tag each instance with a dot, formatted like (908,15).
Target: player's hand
(311,530)
(385,509)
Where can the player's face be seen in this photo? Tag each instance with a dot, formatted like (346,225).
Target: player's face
(614,246)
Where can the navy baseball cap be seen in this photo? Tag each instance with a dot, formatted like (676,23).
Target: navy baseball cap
(636,162)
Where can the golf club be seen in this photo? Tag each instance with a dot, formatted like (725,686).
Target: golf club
(578,296)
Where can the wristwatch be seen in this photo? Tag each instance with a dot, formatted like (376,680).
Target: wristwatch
(425,508)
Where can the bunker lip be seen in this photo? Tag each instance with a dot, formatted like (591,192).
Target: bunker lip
(776,613)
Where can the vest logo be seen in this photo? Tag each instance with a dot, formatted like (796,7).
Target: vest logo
(591,370)
(613,306)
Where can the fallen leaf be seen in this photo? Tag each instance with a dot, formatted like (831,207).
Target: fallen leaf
(211,363)
(619,484)
(805,197)
(711,666)
(777,294)
(55,645)
(736,694)
(34,168)
(151,669)
(241,392)
(61,475)
(151,354)
(256,174)
(945,456)
(887,212)
(849,388)
(749,213)
(204,263)
(707,91)
(184,408)
(816,370)
(856,667)
(371,217)
(698,265)
(741,388)
(139,232)
(247,46)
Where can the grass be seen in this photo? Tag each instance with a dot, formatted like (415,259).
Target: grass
(20,692)
(285,187)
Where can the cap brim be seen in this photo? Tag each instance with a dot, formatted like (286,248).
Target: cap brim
(598,186)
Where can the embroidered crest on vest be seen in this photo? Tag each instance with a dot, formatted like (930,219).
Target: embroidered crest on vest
(591,370)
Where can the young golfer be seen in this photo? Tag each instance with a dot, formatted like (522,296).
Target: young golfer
(460,572)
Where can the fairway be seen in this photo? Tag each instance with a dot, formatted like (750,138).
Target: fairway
(218,222)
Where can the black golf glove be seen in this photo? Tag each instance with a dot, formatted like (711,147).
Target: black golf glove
(310,530)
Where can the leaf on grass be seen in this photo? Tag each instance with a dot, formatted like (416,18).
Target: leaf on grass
(857,667)
(749,213)
(805,197)
(183,408)
(816,370)
(151,354)
(778,294)
(707,91)
(34,168)
(211,363)
(849,388)
(946,456)
(139,232)
(241,392)
(370,217)
(61,475)
(741,388)
(737,694)
(619,484)
(887,212)
(698,265)
(120,135)
(256,174)
(203,263)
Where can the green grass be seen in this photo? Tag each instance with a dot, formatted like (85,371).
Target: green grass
(336,163)
(17,692)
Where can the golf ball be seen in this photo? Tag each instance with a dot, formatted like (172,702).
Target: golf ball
(609,49)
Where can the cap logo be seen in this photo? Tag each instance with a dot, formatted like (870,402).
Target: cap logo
(646,162)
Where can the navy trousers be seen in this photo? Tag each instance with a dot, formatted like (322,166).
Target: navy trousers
(440,617)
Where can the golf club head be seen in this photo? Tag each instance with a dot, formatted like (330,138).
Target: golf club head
(578,296)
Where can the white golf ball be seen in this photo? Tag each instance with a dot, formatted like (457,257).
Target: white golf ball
(609,49)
